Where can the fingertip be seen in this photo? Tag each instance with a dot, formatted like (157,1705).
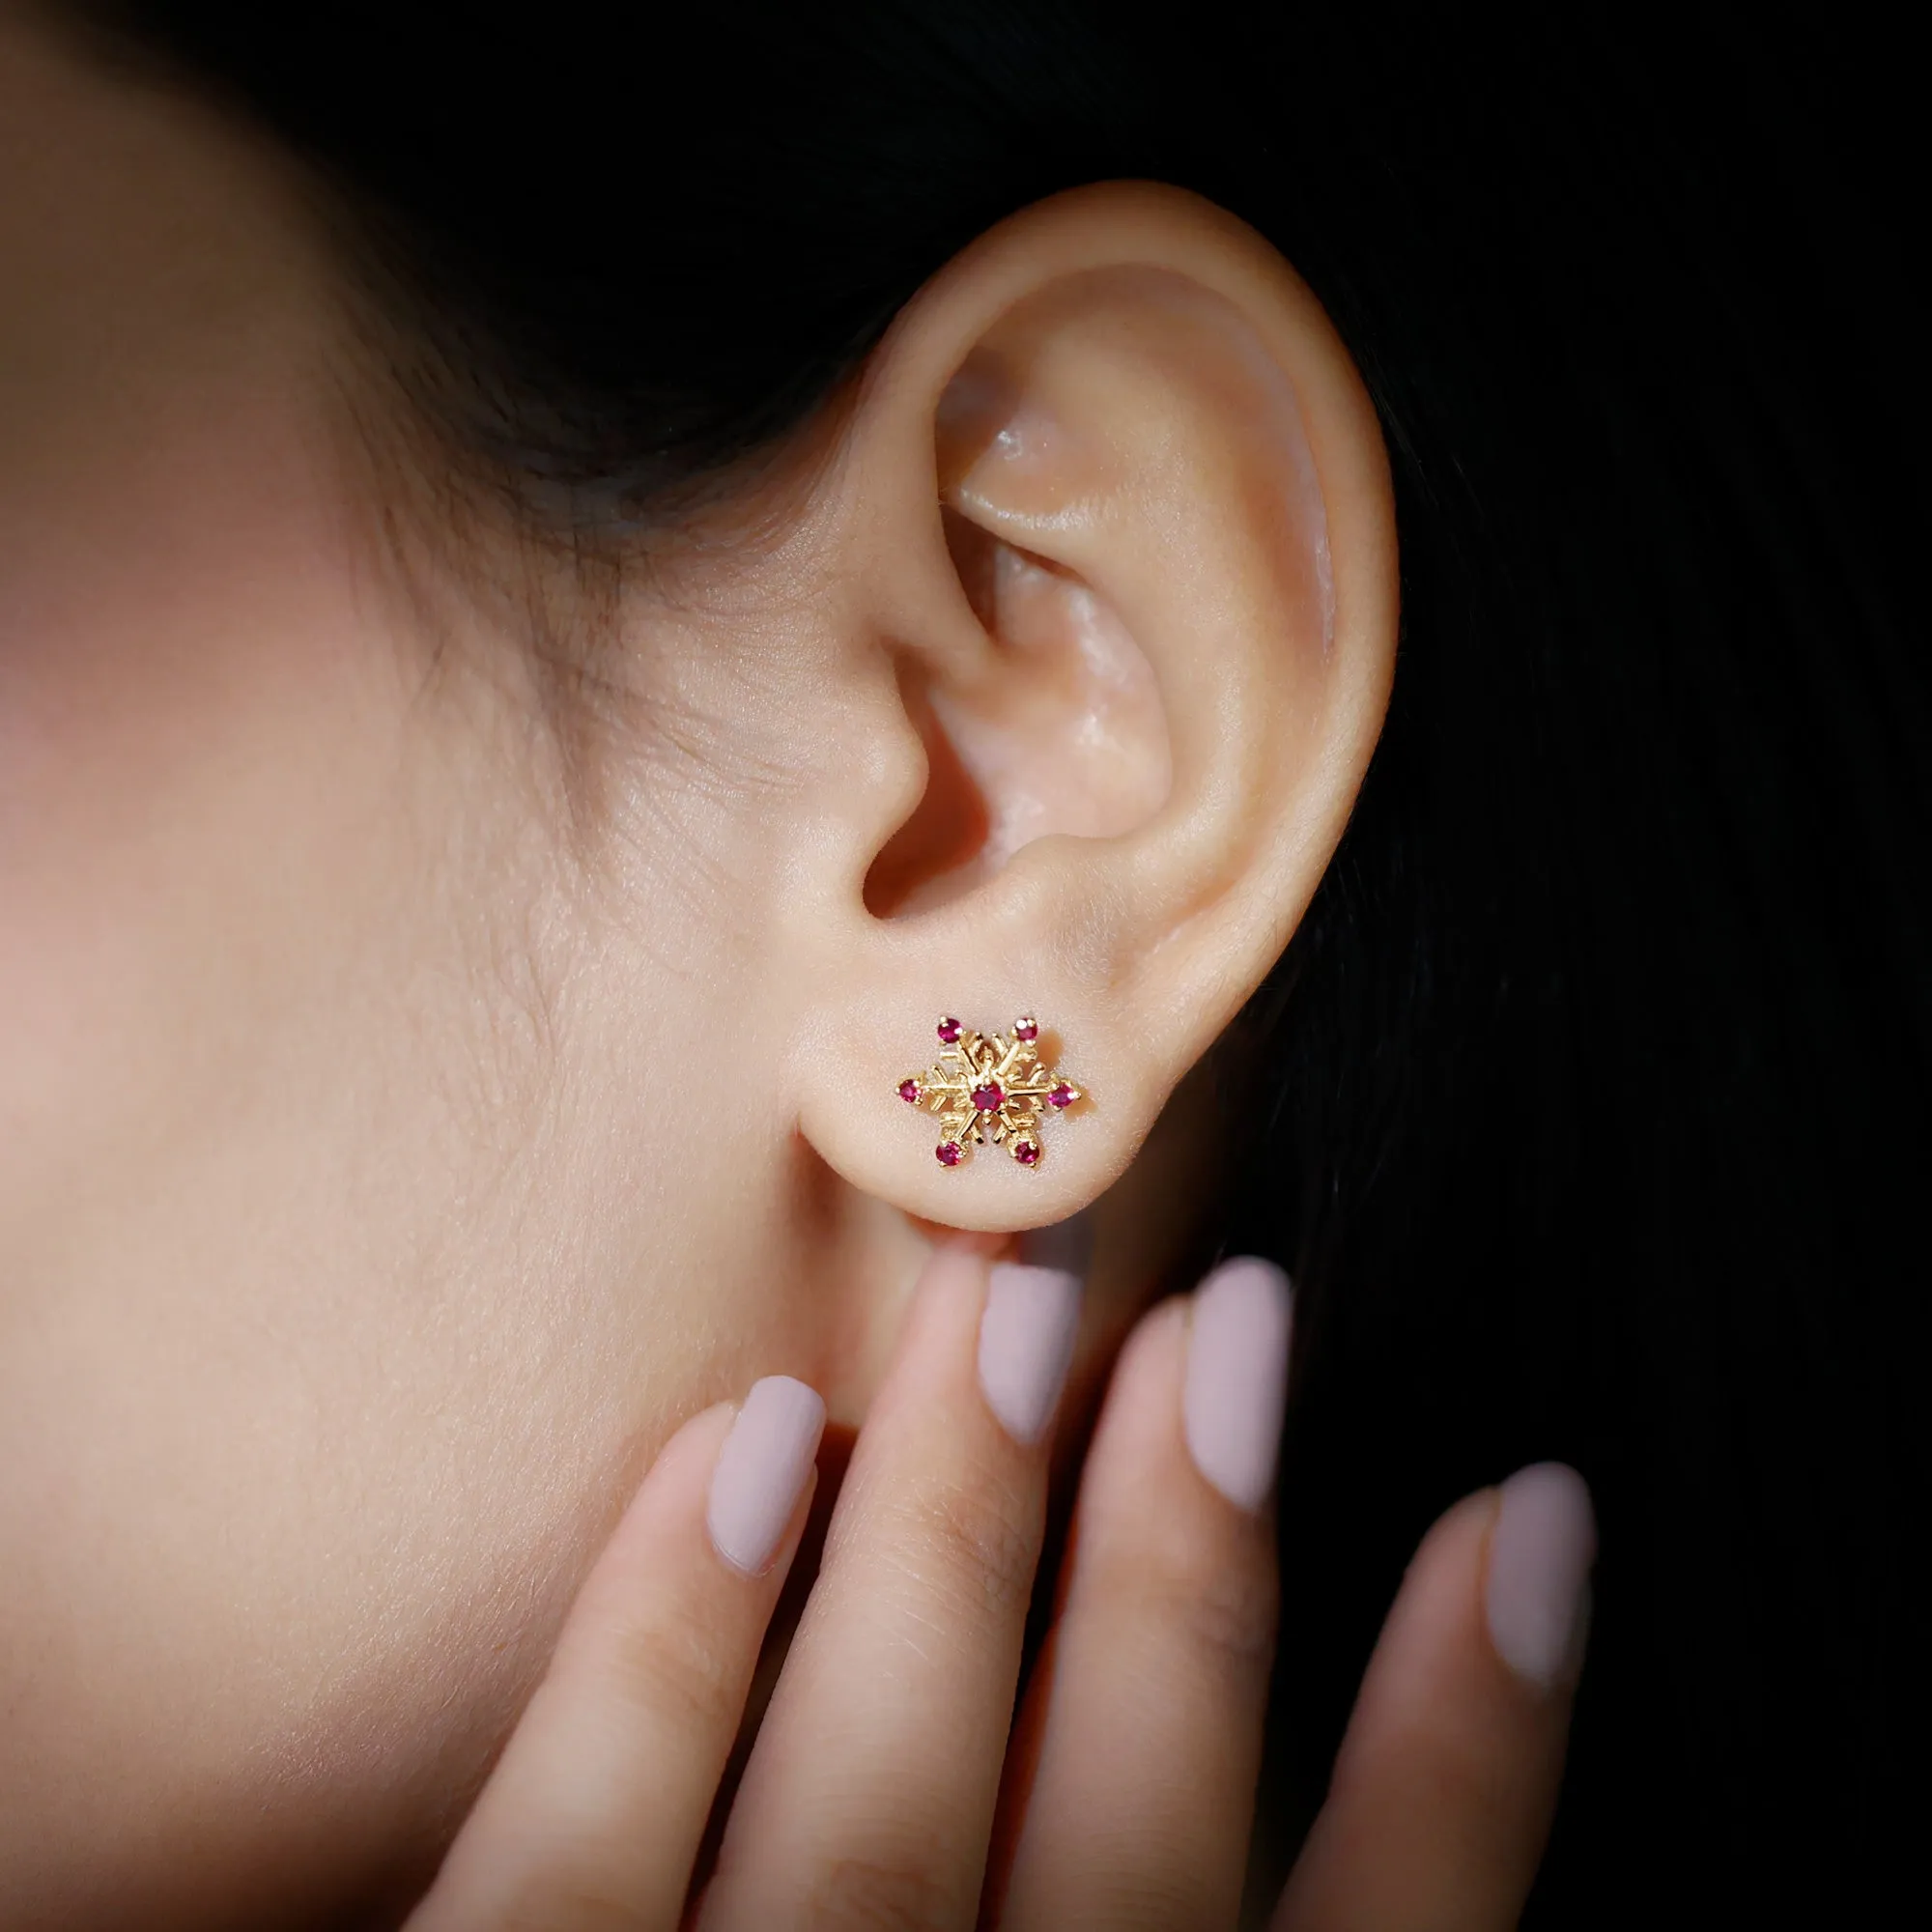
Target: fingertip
(1146,1379)
(1237,1384)
(1026,1344)
(1536,1593)
(1163,1327)
(1447,1778)
(761,1471)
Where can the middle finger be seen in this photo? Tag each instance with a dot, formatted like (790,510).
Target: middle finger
(869,1797)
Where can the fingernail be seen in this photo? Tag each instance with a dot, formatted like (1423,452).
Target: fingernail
(1026,1342)
(1541,1550)
(762,1471)
(1238,1378)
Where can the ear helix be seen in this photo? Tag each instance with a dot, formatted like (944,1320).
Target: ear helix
(991,1090)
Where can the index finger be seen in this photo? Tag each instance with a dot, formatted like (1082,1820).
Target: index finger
(593,1816)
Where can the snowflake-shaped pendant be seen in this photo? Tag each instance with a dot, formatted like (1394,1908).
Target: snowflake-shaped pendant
(989,1087)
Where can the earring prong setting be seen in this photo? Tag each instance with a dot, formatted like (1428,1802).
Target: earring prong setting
(990,1089)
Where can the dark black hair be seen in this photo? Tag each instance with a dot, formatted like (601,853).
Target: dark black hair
(1589,1106)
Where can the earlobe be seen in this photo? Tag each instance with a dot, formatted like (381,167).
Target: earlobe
(1126,522)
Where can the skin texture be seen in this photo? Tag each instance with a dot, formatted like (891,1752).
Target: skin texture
(422,1090)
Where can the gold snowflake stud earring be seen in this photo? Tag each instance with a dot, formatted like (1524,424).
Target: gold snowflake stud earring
(989,1087)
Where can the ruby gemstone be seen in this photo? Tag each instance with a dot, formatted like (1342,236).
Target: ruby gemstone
(1062,1096)
(909,1091)
(1027,1154)
(947,1153)
(949,1029)
(1025,1029)
(989,1098)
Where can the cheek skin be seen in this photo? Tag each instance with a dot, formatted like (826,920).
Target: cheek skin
(324,1352)
(209,1140)
(359,1236)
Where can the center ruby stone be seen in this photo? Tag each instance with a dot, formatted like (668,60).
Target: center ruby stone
(987,1098)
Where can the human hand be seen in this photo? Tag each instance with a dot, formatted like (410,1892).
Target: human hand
(888,1788)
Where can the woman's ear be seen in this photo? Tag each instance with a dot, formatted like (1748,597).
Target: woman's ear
(1115,511)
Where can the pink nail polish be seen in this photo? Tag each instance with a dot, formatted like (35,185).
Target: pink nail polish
(1537,1594)
(761,1471)
(1238,1378)
(1026,1343)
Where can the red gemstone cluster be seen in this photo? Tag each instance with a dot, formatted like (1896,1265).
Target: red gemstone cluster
(989,1089)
